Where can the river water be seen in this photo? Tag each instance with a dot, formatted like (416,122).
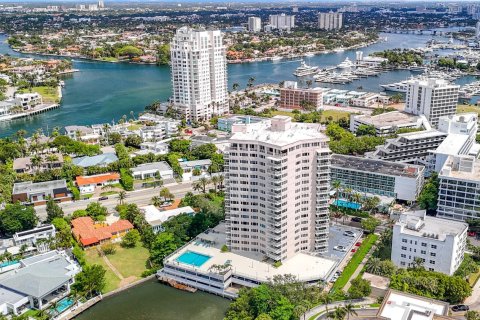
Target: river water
(102,92)
(153,301)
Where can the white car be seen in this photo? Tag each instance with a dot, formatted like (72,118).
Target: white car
(349,234)
(340,248)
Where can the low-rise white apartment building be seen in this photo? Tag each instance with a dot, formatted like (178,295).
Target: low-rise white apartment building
(388,122)
(377,177)
(31,237)
(431,97)
(152,170)
(27,100)
(156,148)
(438,242)
(459,191)
(277,186)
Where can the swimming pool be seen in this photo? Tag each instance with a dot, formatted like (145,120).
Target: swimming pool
(8,263)
(347,204)
(193,258)
(62,305)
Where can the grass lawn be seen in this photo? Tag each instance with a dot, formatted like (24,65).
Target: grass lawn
(353,264)
(109,59)
(282,113)
(462,108)
(473,278)
(108,193)
(134,127)
(49,94)
(112,280)
(131,261)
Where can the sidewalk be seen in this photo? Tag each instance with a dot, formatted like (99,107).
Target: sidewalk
(331,306)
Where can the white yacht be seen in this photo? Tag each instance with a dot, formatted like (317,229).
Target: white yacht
(276,58)
(309,54)
(396,87)
(305,70)
(347,63)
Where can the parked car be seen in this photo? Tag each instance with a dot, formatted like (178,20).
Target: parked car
(356,219)
(460,307)
(354,250)
(471,234)
(340,248)
(102,198)
(349,233)
(358,244)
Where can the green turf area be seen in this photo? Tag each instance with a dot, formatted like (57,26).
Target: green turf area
(112,280)
(334,114)
(353,264)
(130,261)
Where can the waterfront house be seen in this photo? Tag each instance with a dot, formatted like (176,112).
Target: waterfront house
(90,233)
(156,148)
(35,237)
(38,193)
(156,218)
(27,100)
(151,170)
(39,281)
(100,160)
(83,133)
(87,184)
(47,162)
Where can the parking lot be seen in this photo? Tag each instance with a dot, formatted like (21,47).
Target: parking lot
(337,238)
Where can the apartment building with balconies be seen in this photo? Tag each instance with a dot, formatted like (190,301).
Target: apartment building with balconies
(277,189)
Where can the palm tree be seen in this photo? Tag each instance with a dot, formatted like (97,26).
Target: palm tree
(214,180)
(337,184)
(51,158)
(350,310)
(348,193)
(235,86)
(340,313)
(36,161)
(221,180)
(204,182)
(357,197)
(106,128)
(156,201)
(197,186)
(122,195)
(326,299)
(165,193)
(373,265)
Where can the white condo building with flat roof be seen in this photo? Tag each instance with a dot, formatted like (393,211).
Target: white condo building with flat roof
(254,24)
(330,20)
(282,21)
(277,189)
(431,97)
(199,73)
(438,242)
(459,190)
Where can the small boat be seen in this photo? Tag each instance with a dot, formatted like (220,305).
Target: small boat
(309,54)
(276,58)
(305,70)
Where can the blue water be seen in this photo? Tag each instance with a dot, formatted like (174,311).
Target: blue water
(64,304)
(347,204)
(8,263)
(193,258)
(103,92)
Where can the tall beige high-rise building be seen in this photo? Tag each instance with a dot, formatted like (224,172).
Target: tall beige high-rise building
(282,21)
(330,20)
(277,188)
(199,73)
(254,24)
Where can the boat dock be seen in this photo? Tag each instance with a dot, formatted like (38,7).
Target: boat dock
(41,108)
(174,284)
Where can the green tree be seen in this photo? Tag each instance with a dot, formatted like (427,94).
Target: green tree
(360,288)
(131,239)
(369,224)
(96,210)
(180,146)
(163,54)
(90,281)
(366,130)
(133,140)
(163,245)
(53,210)
(429,195)
(17,217)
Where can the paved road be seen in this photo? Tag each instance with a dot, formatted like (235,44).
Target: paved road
(139,197)
(321,308)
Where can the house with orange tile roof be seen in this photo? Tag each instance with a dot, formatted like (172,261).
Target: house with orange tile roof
(87,184)
(89,233)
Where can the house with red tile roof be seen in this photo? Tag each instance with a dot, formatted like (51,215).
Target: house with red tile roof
(87,184)
(89,233)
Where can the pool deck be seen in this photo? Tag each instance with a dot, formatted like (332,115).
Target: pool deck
(304,266)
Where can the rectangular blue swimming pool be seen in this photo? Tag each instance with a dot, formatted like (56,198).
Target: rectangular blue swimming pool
(347,204)
(193,258)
